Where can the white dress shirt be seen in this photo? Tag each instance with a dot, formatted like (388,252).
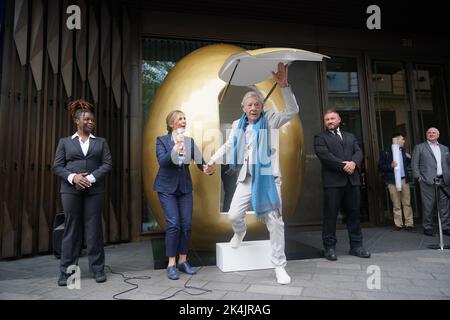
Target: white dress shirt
(249,144)
(84,147)
(437,154)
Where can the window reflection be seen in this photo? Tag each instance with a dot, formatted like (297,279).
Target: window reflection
(392,106)
(429,89)
(393,115)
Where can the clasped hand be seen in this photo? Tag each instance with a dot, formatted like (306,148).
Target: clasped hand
(349,167)
(208,169)
(81,182)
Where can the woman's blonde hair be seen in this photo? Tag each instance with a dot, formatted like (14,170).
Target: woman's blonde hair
(171,117)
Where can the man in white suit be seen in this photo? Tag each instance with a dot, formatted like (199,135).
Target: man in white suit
(259,180)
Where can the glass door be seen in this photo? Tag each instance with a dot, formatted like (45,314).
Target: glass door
(393,115)
(408,100)
(344,97)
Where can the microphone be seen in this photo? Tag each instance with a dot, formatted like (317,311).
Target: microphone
(180,131)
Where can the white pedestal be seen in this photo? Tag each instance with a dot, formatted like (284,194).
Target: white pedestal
(250,255)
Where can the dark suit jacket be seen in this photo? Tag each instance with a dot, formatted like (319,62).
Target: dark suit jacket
(424,163)
(385,165)
(69,158)
(170,174)
(332,152)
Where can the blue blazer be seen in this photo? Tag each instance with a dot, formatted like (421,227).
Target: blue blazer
(385,168)
(171,174)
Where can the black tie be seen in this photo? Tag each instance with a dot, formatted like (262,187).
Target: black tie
(337,134)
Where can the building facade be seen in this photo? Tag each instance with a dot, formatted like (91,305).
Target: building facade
(381,81)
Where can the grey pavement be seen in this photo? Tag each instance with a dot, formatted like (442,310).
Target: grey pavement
(407,268)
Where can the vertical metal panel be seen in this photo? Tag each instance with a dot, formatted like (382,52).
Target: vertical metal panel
(21,29)
(116,62)
(81,41)
(8,227)
(67,55)
(44,185)
(37,42)
(105,49)
(104,103)
(36,115)
(134,115)
(53,22)
(124,170)
(33,115)
(20,158)
(93,54)
(30,126)
(126,33)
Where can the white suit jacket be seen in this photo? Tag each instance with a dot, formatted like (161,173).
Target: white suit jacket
(276,120)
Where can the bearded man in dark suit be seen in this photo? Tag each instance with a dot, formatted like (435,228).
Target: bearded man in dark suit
(341,158)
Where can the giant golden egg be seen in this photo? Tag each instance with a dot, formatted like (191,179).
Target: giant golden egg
(194,87)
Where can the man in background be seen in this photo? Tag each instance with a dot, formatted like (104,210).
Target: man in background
(386,165)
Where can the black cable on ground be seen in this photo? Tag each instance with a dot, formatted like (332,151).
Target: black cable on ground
(185,286)
(126,279)
(190,287)
(135,286)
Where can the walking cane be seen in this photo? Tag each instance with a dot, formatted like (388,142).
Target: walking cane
(440,246)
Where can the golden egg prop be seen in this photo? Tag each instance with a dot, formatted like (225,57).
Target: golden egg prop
(194,87)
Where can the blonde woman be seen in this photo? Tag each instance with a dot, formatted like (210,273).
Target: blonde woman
(173,183)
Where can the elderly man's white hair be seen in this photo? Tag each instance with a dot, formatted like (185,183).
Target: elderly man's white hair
(433,128)
(252,94)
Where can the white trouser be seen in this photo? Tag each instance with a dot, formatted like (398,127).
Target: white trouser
(242,202)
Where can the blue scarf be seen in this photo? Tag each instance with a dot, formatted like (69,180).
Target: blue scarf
(264,192)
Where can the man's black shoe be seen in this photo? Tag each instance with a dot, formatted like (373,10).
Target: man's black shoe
(330,254)
(411,229)
(397,228)
(62,281)
(428,232)
(100,276)
(446,232)
(360,252)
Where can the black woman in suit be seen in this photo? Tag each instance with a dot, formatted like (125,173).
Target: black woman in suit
(82,160)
